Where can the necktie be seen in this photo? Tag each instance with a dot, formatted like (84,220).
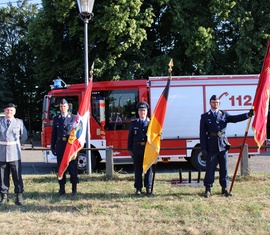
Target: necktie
(8,123)
(143,123)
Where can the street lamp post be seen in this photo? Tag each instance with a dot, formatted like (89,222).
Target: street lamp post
(86,8)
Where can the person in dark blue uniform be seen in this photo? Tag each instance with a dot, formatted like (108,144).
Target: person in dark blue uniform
(215,145)
(136,145)
(61,128)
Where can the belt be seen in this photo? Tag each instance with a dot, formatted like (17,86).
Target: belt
(219,133)
(9,142)
(139,143)
(64,138)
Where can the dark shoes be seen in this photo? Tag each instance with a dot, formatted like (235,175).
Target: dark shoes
(19,199)
(62,190)
(74,189)
(138,192)
(225,192)
(207,193)
(148,191)
(3,198)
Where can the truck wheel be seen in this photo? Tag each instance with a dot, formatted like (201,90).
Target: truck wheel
(197,159)
(82,161)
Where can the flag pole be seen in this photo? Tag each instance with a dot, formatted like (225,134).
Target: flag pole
(77,160)
(155,166)
(154,174)
(240,154)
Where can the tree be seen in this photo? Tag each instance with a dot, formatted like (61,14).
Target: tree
(16,61)
(128,39)
(206,37)
(56,37)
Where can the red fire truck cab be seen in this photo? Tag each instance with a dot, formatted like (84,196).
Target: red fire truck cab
(113,106)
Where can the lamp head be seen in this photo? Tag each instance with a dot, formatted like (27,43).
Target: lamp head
(85,7)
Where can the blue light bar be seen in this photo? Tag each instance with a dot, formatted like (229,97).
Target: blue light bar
(57,83)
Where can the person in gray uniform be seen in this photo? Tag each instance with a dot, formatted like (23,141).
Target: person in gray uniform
(12,134)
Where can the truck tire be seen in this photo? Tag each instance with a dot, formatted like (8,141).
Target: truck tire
(82,161)
(197,159)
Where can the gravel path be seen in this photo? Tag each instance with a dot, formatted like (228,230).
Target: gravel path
(257,163)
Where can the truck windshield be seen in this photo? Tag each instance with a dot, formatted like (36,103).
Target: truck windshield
(115,108)
(54,105)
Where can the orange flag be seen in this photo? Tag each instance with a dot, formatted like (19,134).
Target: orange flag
(154,130)
(77,136)
(261,101)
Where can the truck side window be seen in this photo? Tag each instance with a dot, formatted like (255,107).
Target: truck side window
(119,108)
(54,105)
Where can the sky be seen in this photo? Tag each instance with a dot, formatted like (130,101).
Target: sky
(3,3)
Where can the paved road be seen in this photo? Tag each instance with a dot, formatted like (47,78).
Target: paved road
(32,163)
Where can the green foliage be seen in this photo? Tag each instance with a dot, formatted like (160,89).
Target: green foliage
(17,60)
(119,26)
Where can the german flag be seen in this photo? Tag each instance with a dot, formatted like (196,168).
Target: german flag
(154,130)
(261,101)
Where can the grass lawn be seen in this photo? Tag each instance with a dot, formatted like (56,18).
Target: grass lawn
(110,207)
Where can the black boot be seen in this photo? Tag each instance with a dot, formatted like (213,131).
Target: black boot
(61,190)
(74,189)
(3,198)
(225,192)
(19,199)
(207,192)
(148,191)
(138,192)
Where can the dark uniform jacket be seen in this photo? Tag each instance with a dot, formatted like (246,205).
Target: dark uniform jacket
(137,132)
(60,132)
(213,129)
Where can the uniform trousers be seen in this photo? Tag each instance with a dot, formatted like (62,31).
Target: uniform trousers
(15,167)
(212,160)
(72,170)
(138,154)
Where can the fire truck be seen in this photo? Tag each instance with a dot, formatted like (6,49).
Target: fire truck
(113,106)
